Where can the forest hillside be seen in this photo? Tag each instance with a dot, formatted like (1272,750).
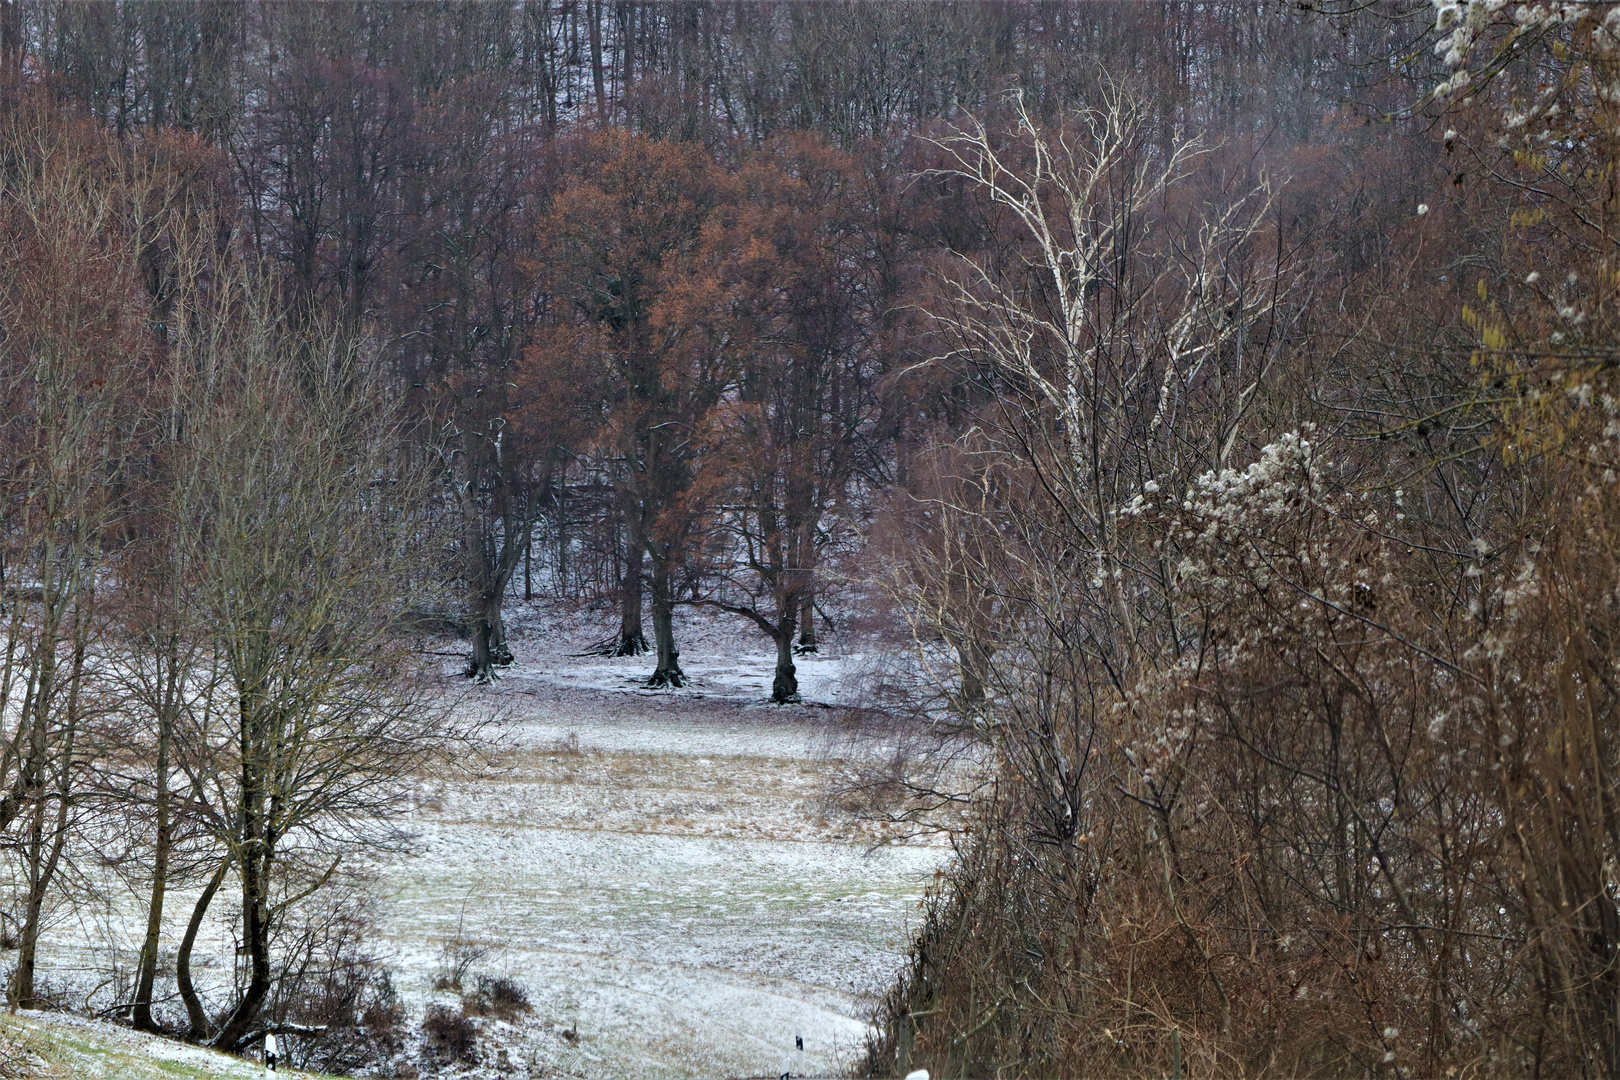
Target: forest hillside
(1165,455)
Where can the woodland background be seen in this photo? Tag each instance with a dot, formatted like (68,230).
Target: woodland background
(1215,395)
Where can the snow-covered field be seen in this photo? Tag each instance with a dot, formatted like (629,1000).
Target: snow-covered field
(661,869)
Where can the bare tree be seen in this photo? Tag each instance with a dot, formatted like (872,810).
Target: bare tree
(166,670)
(76,212)
(305,543)
(1124,349)
(1113,338)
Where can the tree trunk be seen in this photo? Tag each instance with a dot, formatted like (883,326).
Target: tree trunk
(597,81)
(668,673)
(11,41)
(528,568)
(627,48)
(31,782)
(785,687)
(42,855)
(497,629)
(42,869)
(807,625)
(196,1019)
(490,577)
(632,642)
(482,588)
(483,658)
(257,855)
(973,663)
(22,976)
(256,936)
(562,539)
(489,638)
(147,973)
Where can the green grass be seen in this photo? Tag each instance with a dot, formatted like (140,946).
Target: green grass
(108,1053)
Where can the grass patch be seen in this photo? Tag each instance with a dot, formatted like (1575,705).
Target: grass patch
(71,1051)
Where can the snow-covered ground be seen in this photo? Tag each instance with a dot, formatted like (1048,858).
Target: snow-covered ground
(724,656)
(56,1046)
(660,868)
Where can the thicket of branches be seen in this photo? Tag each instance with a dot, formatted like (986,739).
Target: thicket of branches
(1281,586)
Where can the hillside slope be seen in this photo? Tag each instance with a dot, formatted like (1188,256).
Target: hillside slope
(73,1048)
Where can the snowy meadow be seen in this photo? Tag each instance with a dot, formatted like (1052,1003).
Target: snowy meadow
(663,874)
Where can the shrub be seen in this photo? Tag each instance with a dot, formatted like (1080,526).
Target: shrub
(449,1036)
(338,987)
(459,953)
(497,997)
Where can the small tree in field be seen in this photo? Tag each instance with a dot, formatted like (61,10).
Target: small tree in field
(305,539)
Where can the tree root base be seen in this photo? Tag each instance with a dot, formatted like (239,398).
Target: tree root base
(618,646)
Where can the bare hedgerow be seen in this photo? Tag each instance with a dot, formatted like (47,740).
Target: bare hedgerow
(1226,862)
(1356,829)
(335,1001)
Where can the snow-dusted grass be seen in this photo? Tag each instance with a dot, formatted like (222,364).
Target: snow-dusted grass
(724,656)
(73,1048)
(660,868)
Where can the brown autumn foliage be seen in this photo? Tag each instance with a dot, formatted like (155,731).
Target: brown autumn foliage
(1351,812)
(644,235)
(784,450)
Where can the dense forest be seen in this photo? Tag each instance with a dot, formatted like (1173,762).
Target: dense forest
(1214,401)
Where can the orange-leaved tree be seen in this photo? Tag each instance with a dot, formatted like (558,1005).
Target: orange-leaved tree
(786,444)
(642,233)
